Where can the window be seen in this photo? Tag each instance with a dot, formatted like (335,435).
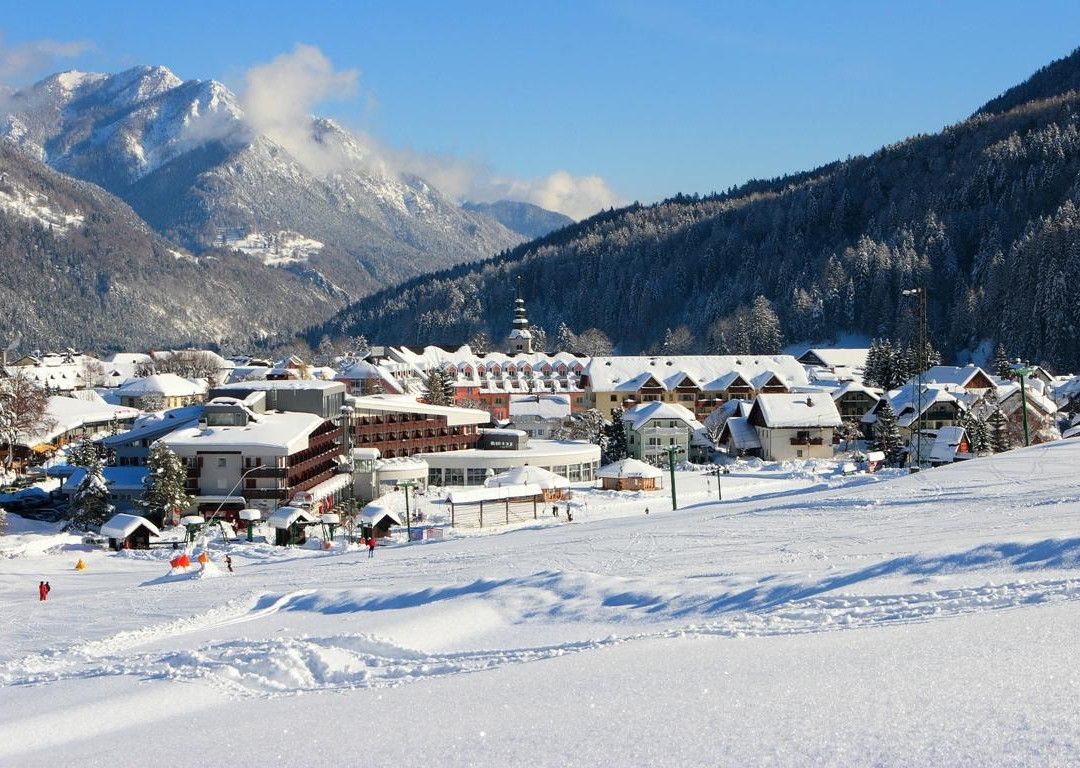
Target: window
(476,476)
(614,398)
(455,476)
(221,462)
(434,477)
(799,454)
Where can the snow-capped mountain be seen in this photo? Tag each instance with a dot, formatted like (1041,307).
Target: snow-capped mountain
(184,156)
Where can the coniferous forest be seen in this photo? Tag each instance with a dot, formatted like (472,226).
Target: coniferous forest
(983,214)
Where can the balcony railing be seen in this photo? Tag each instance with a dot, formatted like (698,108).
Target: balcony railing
(806,441)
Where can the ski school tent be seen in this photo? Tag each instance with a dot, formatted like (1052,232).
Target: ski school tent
(554,486)
(290,525)
(129,532)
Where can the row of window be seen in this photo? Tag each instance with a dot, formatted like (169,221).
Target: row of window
(455,476)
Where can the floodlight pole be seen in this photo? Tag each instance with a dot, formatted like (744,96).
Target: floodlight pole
(671,449)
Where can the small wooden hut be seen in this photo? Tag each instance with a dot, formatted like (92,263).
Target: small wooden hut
(129,532)
(630,475)
(290,525)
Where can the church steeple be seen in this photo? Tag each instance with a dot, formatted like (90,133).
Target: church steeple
(520,337)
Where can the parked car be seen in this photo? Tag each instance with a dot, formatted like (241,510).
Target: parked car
(94,540)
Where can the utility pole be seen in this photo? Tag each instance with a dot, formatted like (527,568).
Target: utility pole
(920,363)
(407,485)
(1023,371)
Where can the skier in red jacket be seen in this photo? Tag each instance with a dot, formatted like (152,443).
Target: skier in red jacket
(371,547)
(43,591)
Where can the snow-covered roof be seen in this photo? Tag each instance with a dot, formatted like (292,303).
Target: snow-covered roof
(707,372)
(741,433)
(164,384)
(526,475)
(408,404)
(274,434)
(68,413)
(640,415)
(283,517)
(499,493)
(849,387)
(946,443)
(906,399)
(780,411)
(122,525)
(629,468)
(836,357)
(363,370)
(952,375)
(116,478)
(1034,393)
(539,405)
(266,385)
(380,508)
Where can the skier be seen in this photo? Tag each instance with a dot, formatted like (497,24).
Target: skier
(646,510)
(42,593)
(555,510)
(569,515)
(228,563)
(48,589)
(371,547)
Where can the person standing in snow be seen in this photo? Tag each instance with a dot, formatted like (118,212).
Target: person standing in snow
(48,589)
(42,593)
(228,563)
(371,547)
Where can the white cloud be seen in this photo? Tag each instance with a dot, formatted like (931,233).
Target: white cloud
(576,196)
(279,96)
(35,57)
(278,100)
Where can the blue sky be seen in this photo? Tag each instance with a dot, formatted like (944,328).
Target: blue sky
(652,98)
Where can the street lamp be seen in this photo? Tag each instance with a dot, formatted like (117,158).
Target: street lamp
(920,363)
(1023,371)
(408,486)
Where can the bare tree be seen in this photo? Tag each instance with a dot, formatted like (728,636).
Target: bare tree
(23,412)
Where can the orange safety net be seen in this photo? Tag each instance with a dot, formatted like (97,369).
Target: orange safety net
(180,561)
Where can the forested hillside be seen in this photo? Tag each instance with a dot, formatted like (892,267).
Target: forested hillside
(983,214)
(79,268)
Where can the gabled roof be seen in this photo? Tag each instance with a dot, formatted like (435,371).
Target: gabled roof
(740,432)
(785,411)
(286,516)
(629,468)
(905,401)
(710,372)
(639,415)
(953,375)
(122,525)
(835,357)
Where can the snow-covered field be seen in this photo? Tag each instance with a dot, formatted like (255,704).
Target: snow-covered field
(894,620)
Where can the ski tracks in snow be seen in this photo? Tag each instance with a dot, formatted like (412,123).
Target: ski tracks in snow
(278,666)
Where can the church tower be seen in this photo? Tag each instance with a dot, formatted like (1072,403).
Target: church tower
(520,337)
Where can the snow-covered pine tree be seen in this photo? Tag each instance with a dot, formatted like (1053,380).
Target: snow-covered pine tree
(766,337)
(615,446)
(1002,367)
(872,371)
(480,343)
(887,436)
(564,339)
(90,505)
(164,486)
(998,431)
(540,338)
(438,388)
(81,454)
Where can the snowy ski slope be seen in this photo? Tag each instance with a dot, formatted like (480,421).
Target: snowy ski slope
(912,620)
